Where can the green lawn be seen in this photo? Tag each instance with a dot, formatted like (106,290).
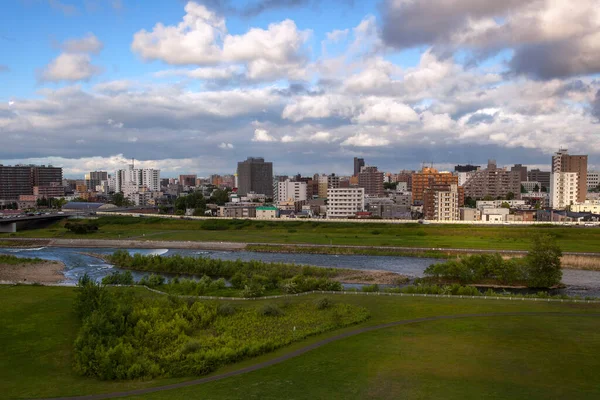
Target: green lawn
(520,357)
(502,237)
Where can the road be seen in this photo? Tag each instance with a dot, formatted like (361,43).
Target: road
(314,346)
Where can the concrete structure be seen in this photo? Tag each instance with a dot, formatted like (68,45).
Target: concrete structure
(238,210)
(593,180)
(469,214)
(87,207)
(564,189)
(463,177)
(255,175)
(530,186)
(543,177)
(489,214)
(372,181)
(94,178)
(466,168)
(291,190)
(137,184)
(190,181)
(498,203)
(430,177)
(562,161)
(386,208)
(322,185)
(358,164)
(494,182)
(540,198)
(521,169)
(21,179)
(589,206)
(267,212)
(345,202)
(440,202)
(405,176)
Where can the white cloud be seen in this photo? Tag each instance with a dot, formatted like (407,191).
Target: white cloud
(387,111)
(262,135)
(226,146)
(365,140)
(317,137)
(307,107)
(87,44)
(337,35)
(70,67)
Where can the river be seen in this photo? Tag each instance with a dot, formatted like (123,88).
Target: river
(579,283)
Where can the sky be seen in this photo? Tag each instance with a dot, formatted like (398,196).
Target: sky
(195,87)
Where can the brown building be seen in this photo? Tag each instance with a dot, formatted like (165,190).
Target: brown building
(493,182)
(522,170)
(20,179)
(405,176)
(563,162)
(48,192)
(188,180)
(429,177)
(372,181)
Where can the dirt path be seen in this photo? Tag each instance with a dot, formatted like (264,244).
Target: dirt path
(313,346)
(42,272)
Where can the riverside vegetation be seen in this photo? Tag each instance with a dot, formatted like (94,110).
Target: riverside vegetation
(124,336)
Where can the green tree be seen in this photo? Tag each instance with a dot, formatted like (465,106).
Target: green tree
(523,190)
(119,200)
(390,185)
(510,196)
(543,262)
(195,201)
(536,188)
(505,205)
(470,202)
(220,197)
(488,198)
(544,189)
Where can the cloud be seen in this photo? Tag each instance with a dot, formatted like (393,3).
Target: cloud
(386,111)
(548,38)
(337,35)
(262,135)
(365,140)
(317,137)
(70,67)
(115,124)
(201,38)
(596,105)
(4,68)
(87,44)
(226,146)
(261,6)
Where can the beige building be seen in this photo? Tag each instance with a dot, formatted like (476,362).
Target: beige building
(440,203)
(493,182)
(588,206)
(345,202)
(267,212)
(564,189)
(562,161)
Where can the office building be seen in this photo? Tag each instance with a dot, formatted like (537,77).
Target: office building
(358,164)
(543,177)
(521,169)
(345,202)
(291,191)
(593,180)
(466,168)
(440,202)
(493,182)
(255,175)
(136,184)
(21,179)
(562,161)
(371,180)
(564,189)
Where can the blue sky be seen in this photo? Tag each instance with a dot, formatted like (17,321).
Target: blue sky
(197,86)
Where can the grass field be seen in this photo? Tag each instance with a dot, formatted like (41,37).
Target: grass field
(491,357)
(504,237)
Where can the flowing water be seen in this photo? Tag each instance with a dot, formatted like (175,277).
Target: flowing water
(579,283)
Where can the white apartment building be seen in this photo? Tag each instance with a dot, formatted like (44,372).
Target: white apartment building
(589,206)
(345,202)
(136,184)
(593,179)
(498,203)
(563,189)
(442,205)
(290,190)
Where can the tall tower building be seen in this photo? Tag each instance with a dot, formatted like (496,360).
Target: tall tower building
(255,175)
(562,161)
(372,181)
(358,164)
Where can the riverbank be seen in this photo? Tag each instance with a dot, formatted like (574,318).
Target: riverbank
(40,272)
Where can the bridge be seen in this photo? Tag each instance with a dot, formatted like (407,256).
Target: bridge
(9,225)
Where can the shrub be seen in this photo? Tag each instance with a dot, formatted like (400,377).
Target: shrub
(543,262)
(323,303)
(226,309)
(271,310)
(82,227)
(118,278)
(370,288)
(253,289)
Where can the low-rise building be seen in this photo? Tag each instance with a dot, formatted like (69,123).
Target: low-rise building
(470,214)
(238,210)
(587,207)
(267,212)
(489,214)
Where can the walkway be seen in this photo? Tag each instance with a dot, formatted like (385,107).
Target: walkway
(313,346)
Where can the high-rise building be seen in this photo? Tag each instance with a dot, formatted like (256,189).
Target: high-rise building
(358,164)
(333,181)
(322,185)
(132,181)
(21,179)
(372,181)
(345,202)
(190,180)
(564,189)
(440,203)
(562,161)
(255,175)
(543,177)
(95,178)
(428,177)
(522,169)
(493,182)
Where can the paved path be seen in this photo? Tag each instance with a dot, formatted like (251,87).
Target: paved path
(313,346)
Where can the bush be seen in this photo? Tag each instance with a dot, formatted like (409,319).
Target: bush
(543,262)
(323,303)
(253,289)
(226,309)
(118,278)
(271,310)
(370,288)
(82,227)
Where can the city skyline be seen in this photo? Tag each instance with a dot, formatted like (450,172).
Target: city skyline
(187,87)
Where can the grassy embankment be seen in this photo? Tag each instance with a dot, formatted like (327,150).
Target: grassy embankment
(576,239)
(491,357)
(7,259)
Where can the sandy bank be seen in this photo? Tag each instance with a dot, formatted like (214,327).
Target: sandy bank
(43,272)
